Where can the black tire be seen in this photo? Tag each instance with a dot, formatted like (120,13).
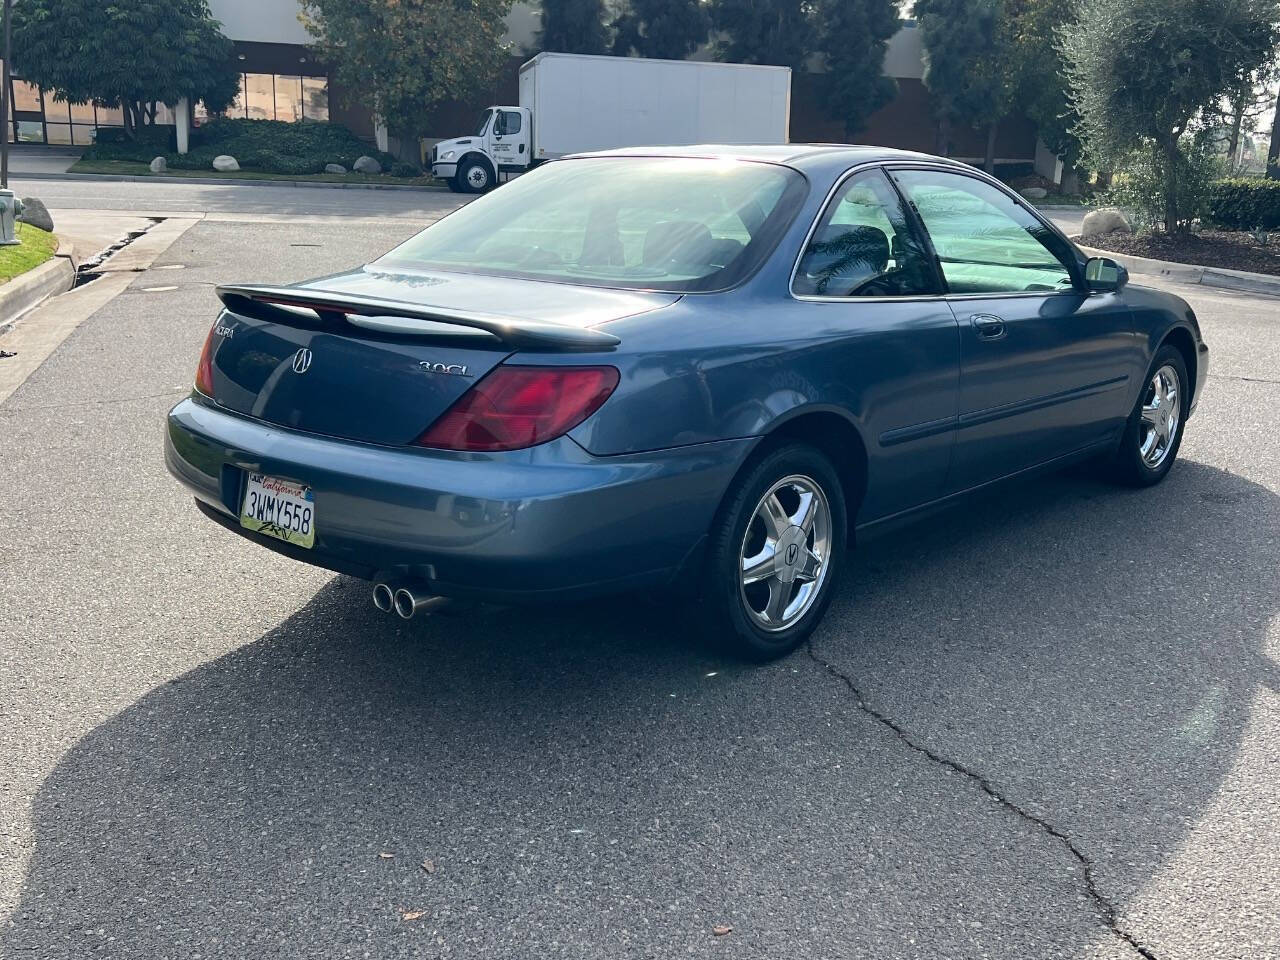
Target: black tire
(1129,466)
(468,170)
(727,602)
(454,185)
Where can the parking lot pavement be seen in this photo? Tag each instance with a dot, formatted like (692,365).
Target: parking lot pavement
(1045,724)
(240,199)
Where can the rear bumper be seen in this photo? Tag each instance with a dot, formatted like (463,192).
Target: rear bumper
(533,523)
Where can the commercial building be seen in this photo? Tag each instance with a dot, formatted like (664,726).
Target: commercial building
(282,80)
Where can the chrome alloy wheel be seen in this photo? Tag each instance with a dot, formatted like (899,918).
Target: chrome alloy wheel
(1161,417)
(785,552)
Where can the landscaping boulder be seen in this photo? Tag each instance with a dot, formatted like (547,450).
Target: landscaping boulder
(1035,193)
(159,165)
(1106,220)
(225,164)
(334,168)
(35,213)
(367,165)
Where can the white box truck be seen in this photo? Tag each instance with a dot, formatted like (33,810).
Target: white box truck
(573,104)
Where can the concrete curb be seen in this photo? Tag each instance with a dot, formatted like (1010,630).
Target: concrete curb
(220,181)
(32,288)
(1219,277)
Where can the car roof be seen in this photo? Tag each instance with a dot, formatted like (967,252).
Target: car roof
(799,155)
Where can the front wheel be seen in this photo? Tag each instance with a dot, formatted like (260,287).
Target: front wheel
(776,549)
(474,176)
(1154,431)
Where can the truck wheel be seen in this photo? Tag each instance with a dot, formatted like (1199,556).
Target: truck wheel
(454,185)
(474,176)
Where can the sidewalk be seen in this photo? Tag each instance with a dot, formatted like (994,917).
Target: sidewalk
(32,161)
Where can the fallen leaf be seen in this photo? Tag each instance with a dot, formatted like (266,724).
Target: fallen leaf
(410,915)
(429,865)
(386,856)
(720,929)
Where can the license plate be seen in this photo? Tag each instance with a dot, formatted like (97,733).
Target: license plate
(281,509)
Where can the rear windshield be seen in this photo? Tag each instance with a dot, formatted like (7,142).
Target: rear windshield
(653,223)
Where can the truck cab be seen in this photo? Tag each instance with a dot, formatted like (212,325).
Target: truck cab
(500,149)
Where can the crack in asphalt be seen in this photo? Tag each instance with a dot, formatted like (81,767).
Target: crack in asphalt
(1228,376)
(1104,906)
(109,401)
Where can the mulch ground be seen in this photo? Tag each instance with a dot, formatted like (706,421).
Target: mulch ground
(1207,248)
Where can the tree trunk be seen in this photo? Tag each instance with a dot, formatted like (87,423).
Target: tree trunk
(1104,180)
(1237,120)
(944,136)
(1172,159)
(130,127)
(1273,151)
(989,161)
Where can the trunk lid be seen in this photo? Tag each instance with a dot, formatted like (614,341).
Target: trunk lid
(377,356)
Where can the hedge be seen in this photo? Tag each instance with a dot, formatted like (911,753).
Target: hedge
(271,146)
(1245,203)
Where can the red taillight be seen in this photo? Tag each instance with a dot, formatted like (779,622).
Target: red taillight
(516,407)
(204,369)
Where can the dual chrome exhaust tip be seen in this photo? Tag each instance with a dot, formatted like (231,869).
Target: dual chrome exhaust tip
(406,599)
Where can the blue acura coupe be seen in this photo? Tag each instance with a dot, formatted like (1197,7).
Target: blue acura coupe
(701,367)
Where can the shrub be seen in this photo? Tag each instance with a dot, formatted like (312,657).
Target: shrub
(1245,203)
(1143,183)
(402,168)
(271,146)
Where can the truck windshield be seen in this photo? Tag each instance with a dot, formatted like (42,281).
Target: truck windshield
(656,223)
(484,122)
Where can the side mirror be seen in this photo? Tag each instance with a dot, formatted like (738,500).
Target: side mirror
(1104,275)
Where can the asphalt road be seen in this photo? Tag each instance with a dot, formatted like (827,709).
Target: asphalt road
(1046,724)
(244,200)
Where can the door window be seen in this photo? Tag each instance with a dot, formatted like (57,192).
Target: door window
(865,247)
(985,241)
(508,122)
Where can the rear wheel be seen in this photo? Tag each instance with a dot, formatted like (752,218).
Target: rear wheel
(776,549)
(1154,431)
(474,176)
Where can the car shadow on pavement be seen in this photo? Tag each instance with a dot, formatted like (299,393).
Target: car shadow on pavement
(594,782)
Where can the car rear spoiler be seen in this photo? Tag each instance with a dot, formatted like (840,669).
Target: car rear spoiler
(408,319)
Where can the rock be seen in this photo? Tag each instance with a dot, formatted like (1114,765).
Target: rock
(1035,193)
(1106,220)
(225,164)
(334,168)
(159,165)
(35,213)
(367,165)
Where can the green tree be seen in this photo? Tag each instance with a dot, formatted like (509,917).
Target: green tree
(573,26)
(1039,72)
(779,32)
(405,57)
(129,55)
(966,65)
(853,39)
(667,29)
(1142,71)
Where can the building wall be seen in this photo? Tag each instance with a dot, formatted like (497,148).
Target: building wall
(261,21)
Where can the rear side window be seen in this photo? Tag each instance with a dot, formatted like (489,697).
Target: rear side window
(864,246)
(656,223)
(985,241)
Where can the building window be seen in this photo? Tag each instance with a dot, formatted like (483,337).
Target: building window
(277,96)
(315,98)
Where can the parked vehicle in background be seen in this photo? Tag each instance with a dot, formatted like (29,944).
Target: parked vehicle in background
(571,103)
(699,369)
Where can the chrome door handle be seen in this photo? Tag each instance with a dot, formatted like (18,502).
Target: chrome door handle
(989,326)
